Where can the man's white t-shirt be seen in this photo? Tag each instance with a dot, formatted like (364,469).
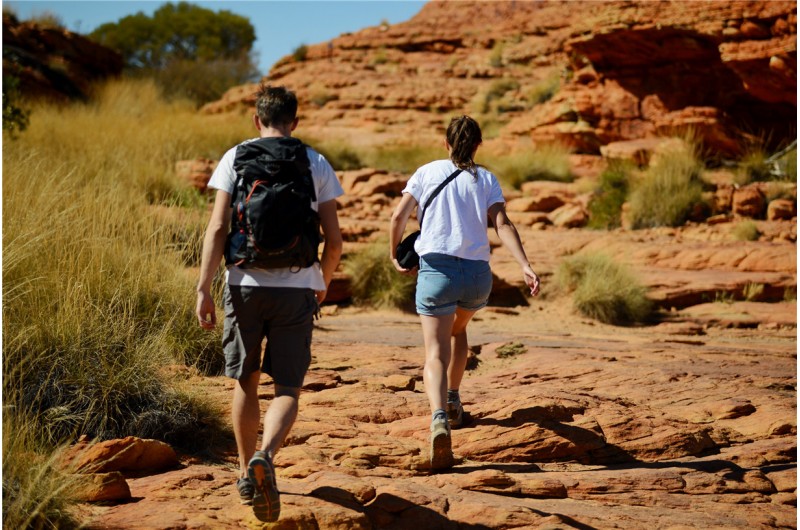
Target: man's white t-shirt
(327,188)
(456,221)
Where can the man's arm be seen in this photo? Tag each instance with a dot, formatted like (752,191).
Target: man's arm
(213,247)
(332,247)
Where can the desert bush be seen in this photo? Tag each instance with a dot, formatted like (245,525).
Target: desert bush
(604,290)
(746,231)
(544,90)
(404,158)
(759,164)
(752,291)
(496,54)
(299,54)
(605,206)
(668,190)
(374,280)
(15,116)
(543,162)
(487,100)
(339,154)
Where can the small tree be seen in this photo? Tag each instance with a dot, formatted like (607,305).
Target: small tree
(192,51)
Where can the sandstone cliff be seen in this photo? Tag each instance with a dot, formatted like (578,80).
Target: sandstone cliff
(583,73)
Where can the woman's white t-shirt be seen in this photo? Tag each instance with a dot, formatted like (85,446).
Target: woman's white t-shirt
(327,187)
(456,221)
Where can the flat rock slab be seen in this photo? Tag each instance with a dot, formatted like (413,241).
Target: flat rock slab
(586,426)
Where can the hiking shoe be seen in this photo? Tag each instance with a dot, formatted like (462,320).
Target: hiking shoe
(455,414)
(246,490)
(266,499)
(441,445)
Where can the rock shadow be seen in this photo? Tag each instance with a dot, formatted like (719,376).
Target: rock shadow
(389,511)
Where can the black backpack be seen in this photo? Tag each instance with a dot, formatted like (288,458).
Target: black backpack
(273,224)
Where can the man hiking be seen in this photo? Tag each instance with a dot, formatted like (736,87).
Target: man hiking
(273,196)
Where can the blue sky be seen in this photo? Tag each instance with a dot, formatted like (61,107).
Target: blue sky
(281,26)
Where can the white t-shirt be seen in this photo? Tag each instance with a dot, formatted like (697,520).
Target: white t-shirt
(327,187)
(456,221)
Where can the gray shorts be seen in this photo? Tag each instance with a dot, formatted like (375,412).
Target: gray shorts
(284,315)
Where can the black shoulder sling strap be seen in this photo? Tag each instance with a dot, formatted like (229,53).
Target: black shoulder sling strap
(436,192)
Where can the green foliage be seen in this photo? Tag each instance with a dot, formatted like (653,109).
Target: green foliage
(47,19)
(488,100)
(669,190)
(510,349)
(604,290)
(299,54)
(193,51)
(375,281)
(758,164)
(15,118)
(746,231)
(403,158)
(496,55)
(605,206)
(545,89)
(544,162)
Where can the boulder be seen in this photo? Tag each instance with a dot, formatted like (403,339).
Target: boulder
(781,209)
(569,216)
(129,454)
(104,487)
(196,172)
(748,201)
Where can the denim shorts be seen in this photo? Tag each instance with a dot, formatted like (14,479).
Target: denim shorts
(284,315)
(446,282)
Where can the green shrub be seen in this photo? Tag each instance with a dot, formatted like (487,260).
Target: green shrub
(340,155)
(669,190)
(544,90)
(746,231)
(15,117)
(374,280)
(404,158)
(496,55)
(544,162)
(758,164)
(605,206)
(299,54)
(604,290)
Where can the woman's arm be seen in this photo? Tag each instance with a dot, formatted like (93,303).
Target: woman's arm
(399,220)
(509,236)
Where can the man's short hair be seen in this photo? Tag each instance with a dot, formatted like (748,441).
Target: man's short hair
(276,106)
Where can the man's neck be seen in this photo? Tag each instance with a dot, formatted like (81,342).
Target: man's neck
(275,132)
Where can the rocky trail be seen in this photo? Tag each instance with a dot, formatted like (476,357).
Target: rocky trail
(582,425)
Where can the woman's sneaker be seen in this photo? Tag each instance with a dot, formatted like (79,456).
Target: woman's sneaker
(266,499)
(441,445)
(455,414)
(246,490)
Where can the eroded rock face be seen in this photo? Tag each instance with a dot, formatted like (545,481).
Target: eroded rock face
(53,62)
(583,73)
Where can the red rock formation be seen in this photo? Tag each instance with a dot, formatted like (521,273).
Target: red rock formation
(615,70)
(53,62)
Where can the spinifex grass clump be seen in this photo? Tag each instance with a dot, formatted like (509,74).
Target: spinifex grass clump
(543,162)
(97,301)
(375,281)
(605,206)
(37,488)
(669,189)
(604,290)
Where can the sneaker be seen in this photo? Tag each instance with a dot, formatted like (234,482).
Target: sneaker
(455,414)
(246,490)
(266,499)
(441,447)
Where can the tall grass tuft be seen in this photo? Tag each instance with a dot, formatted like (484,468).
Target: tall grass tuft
(604,290)
(375,282)
(669,190)
(37,490)
(605,206)
(97,300)
(543,162)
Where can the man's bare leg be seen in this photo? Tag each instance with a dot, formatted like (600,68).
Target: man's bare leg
(279,418)
(246,415)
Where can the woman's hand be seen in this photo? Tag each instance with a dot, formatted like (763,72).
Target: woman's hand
(401,270)
(531,279)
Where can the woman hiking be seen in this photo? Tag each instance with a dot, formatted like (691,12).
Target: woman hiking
(454,278)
